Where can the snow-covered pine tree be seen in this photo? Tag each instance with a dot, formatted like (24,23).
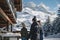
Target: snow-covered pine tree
(47,27)
(56,23)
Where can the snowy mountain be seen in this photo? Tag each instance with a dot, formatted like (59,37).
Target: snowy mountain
(41,11)
(28,13)
(41,7)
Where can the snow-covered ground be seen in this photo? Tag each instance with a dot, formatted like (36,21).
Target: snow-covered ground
(19,28)
(52,39)
(49,39)
(28,28)
(54,36)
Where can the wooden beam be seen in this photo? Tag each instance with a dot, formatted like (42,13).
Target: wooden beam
(3,25)
(9,15)
(1,19)
(2,1)
(18,4)
(2,22)
(17,1)
(5,10)
(4,7)
(11,18)
(4,14)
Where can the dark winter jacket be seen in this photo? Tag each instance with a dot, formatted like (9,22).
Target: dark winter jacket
(41,34)
(24,32)
(33,30)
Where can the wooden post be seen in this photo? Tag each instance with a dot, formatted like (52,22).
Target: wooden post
(7,26)
(18,38)
(11,27)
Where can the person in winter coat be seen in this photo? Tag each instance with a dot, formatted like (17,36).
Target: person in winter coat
(40,30)
(24,32)
(33,29)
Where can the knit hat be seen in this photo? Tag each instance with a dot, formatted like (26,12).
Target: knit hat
(34,19)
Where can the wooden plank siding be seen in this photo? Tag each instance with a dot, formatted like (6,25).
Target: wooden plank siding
(6,12)
(18,5)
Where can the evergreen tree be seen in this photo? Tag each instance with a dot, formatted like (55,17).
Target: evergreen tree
(47,27)
(56,23)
